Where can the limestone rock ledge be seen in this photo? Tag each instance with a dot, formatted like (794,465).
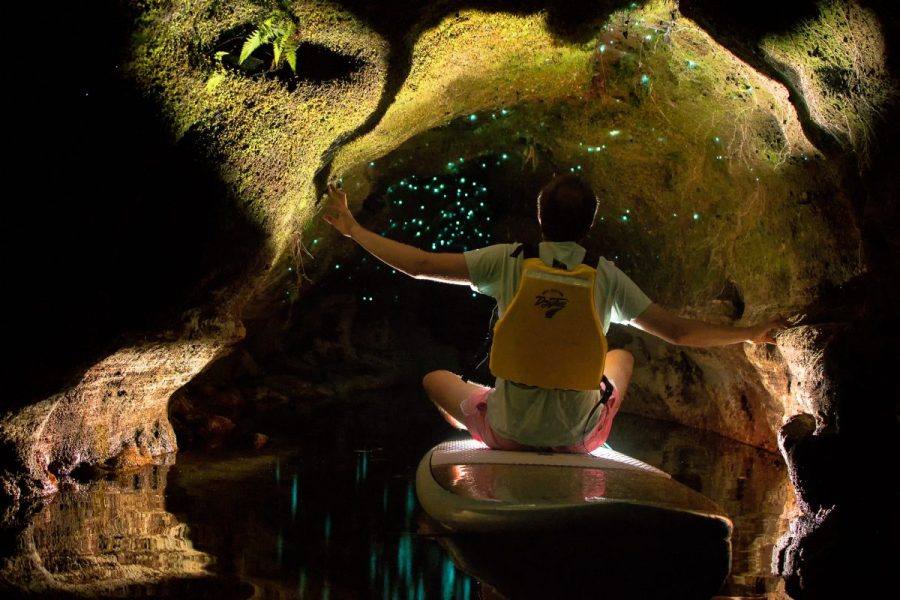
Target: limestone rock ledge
(115,416)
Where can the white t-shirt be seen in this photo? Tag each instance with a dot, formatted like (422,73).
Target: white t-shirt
(536,416)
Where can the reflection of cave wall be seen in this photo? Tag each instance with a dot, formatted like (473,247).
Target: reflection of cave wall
(746,167)
(108,539)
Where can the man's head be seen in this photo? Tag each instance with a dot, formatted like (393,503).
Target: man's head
(566,209)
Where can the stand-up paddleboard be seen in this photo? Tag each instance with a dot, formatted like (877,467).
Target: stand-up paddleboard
(469,488)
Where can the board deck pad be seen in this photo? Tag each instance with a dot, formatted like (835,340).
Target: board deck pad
(471,452)
(467,486)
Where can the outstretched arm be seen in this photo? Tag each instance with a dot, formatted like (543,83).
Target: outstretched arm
(688,332)
(446,267)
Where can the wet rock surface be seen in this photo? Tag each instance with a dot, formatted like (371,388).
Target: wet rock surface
(746,157)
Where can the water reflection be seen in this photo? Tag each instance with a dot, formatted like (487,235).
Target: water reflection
(750,484)
(329,511)
(108,537)
(303,522)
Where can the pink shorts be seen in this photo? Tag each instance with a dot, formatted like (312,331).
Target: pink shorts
(474,409)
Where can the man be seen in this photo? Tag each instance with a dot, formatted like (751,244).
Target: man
(511,416)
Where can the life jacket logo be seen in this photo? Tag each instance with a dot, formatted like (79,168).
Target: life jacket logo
(552,301)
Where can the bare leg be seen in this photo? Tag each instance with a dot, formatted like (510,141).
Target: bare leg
(447,390)
(618,369)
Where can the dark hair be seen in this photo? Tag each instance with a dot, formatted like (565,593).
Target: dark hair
(566,208)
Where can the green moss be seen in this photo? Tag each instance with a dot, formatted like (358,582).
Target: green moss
(836,62)
(696,132)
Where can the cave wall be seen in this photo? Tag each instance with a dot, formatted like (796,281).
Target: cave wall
(746,167)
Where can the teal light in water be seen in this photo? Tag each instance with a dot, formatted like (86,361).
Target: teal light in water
(448,580)
(645,79)
(602,48)
(410,503)
(294,497)
(473,118)
(404,557)
(328,527)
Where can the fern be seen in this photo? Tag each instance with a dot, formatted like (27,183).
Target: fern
(290,56)
(281,32)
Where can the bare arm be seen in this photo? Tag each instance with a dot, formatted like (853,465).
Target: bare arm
(446,267)
(688,332)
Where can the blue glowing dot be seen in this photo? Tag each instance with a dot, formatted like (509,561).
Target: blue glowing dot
(602,48)
(691,64)
(462,179)
(648,37)
(645,79)
(473,117)
(717,140)
(696,216)
(625,218)
(461,159)
(337,266)
(290,268)
(504,156)
(450,165)
(504,112)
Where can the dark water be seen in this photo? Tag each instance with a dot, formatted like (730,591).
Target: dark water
(328,510)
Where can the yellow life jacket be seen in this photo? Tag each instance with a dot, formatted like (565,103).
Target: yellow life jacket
(551,335)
